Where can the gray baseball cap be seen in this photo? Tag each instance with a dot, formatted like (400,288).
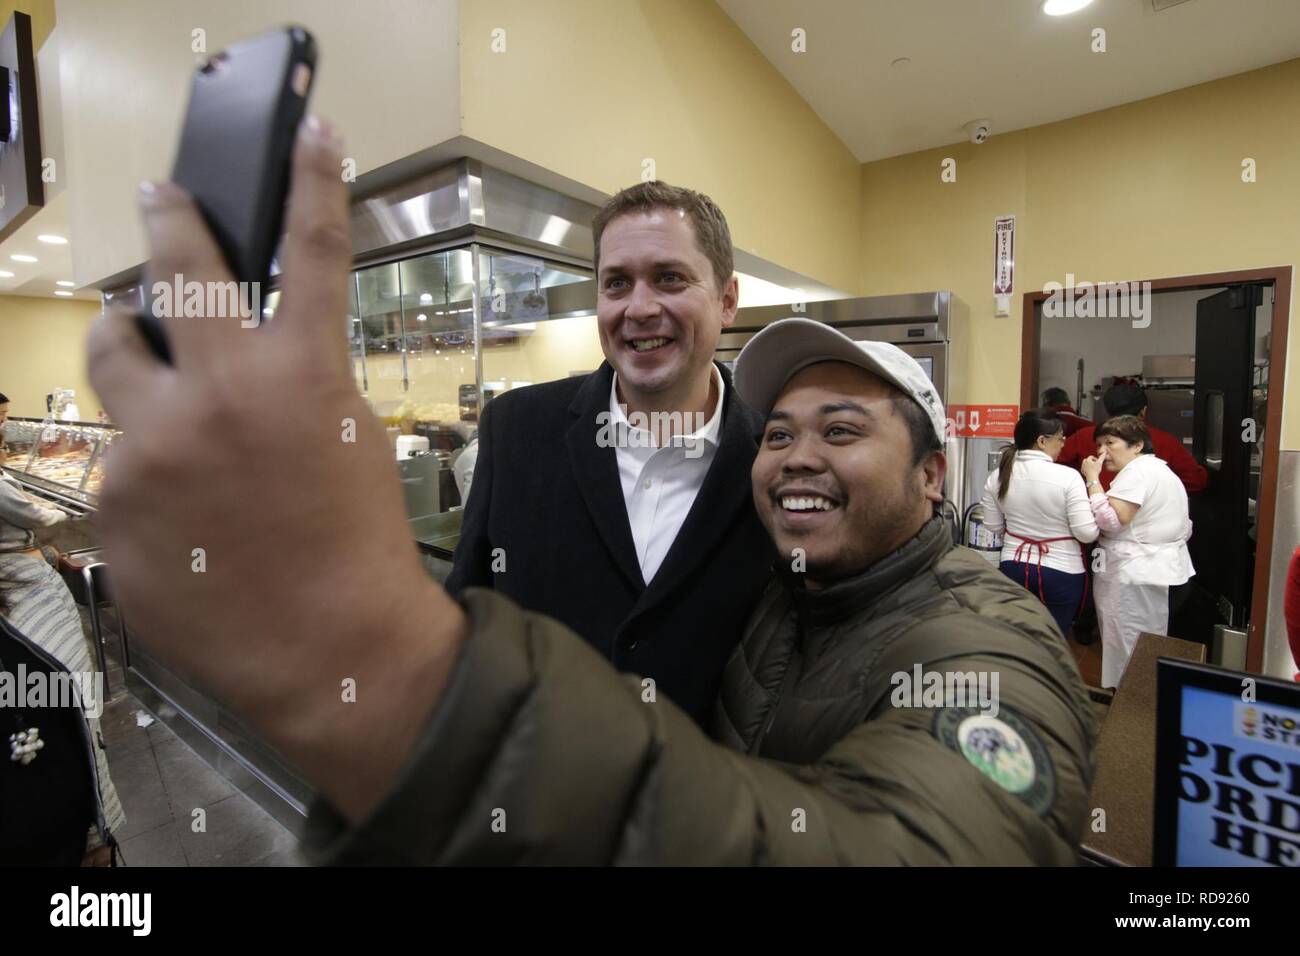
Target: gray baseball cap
(773,357)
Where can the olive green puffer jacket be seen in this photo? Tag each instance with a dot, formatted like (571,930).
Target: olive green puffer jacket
(539,752)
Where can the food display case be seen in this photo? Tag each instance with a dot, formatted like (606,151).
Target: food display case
(60,461)
(435,336)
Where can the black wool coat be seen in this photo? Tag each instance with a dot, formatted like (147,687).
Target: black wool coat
(549,497)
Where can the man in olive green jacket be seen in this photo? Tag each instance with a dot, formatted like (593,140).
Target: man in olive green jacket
(445,732)
(832,742)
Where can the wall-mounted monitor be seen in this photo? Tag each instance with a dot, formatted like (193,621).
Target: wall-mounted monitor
(22,191)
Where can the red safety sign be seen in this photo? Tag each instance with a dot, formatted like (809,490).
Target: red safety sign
(983,421)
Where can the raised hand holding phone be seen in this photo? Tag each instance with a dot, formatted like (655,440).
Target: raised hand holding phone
(230,511)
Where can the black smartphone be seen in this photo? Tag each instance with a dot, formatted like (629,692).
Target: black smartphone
(235,152)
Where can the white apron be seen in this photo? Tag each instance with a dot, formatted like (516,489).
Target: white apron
(1125,611)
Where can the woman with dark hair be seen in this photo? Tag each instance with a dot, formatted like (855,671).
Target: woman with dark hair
(1144,531)
(1042,510)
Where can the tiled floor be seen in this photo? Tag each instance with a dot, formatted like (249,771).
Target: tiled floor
(163,784)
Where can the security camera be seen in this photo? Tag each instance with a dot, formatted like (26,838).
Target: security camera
(978,130)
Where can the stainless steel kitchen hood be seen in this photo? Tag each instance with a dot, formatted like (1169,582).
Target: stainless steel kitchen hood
(467,197)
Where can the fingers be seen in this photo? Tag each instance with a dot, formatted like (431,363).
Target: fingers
(125,374)
(189,284)
(318,248)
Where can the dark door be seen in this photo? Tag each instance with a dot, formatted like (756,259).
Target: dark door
(1221,548)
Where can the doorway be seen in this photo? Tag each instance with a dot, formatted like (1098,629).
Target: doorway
(1209,351)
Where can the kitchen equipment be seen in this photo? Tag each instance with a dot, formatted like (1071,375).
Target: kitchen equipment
(918,323)
(408,446)
(977,536)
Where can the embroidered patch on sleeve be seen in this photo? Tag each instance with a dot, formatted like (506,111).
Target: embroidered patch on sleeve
(1005,748)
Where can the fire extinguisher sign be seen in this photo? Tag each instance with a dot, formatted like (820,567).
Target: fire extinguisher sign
(1004,254)
(982,421)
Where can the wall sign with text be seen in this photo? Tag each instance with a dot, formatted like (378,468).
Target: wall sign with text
(983,421)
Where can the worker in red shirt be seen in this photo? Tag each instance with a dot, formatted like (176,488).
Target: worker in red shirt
(1058,400)
(1130,398)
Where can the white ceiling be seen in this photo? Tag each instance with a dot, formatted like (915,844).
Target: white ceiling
(1002,60)
(55,262)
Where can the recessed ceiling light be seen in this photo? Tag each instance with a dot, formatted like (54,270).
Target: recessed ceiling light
(52,240)
(6,275)
(1060,8)
(66,284)
(22,258)
(63,293)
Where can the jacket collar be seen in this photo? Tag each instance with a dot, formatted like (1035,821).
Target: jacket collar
(724,492)
(595,471)
(847,597)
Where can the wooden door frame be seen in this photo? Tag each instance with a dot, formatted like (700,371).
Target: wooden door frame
(1280,277)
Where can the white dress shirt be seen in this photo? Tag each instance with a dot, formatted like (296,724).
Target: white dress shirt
(1045,500)
(660,483)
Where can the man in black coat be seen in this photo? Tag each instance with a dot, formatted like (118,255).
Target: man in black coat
(619,502)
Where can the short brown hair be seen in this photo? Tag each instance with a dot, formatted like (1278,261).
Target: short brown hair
(711,232)
(1127,428)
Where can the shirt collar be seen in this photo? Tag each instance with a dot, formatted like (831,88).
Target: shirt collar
(709,432)
(1027,453)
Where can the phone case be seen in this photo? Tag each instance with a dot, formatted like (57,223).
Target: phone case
(237,143)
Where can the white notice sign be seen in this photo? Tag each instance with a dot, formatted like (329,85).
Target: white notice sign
(1004,254)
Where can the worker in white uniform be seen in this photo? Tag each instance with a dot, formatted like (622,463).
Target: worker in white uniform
(1144,530)
(1043,510)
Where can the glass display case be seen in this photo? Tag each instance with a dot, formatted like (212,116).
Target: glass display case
(435,337)
(63,461)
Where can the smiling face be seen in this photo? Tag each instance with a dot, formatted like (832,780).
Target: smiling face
(659,308)
(834,473)
(1118,452)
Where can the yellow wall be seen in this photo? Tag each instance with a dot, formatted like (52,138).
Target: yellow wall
(41,12)
(590,88)
(42,347)
(1141,191)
